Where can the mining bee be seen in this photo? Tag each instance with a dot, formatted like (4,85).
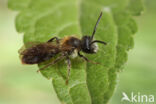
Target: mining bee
(66,46)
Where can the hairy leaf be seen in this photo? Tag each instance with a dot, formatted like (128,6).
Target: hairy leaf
(41,20)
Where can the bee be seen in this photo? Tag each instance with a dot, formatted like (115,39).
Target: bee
(66,46)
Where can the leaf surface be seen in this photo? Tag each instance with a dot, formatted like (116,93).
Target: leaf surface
(41,20)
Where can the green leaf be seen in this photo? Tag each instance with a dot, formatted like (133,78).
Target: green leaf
(126,28)
(18,4)
(135,8)
(41,20)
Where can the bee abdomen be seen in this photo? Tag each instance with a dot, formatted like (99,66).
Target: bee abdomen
(39,53)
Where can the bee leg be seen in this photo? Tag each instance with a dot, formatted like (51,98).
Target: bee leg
(51,40)
(86,59)
(52,63)
(69,68)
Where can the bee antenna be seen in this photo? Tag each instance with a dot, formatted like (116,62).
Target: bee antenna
(96,26)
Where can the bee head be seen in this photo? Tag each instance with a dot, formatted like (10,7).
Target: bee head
(87,46)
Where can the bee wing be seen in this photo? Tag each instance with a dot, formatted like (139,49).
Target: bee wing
(27,45)
(39,53)
(21,49)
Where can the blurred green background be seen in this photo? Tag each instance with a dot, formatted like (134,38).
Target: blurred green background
(20,84)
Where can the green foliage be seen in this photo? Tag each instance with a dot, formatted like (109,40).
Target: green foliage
(40,20)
